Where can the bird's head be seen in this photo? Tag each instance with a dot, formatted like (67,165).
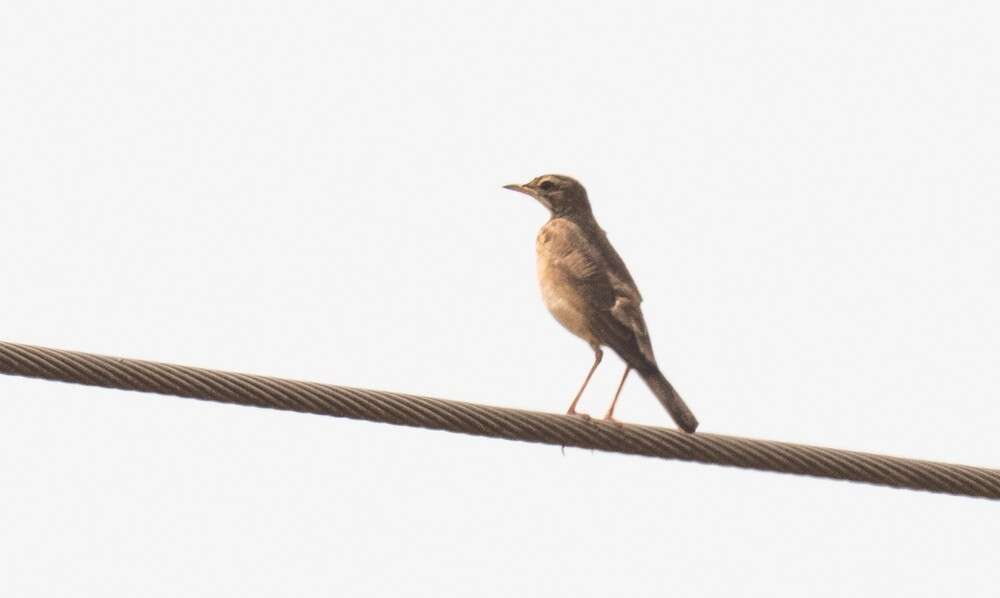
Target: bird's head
(562,195)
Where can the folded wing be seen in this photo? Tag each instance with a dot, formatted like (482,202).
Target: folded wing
(603,286)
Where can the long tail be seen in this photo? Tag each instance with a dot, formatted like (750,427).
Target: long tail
(669,398)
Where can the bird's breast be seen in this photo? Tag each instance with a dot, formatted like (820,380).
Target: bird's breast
(559,293)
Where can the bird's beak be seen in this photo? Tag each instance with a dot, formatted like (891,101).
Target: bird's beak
(519,189)
(531,191)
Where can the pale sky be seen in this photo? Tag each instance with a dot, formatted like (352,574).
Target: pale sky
(806,194)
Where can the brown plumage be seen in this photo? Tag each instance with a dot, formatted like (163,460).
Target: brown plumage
(588,289)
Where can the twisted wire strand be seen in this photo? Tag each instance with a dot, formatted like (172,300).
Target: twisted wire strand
(498,422)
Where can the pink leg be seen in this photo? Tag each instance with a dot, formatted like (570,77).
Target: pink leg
(611,410)
(598,355)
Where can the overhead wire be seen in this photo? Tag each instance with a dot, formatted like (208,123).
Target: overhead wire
(496,422)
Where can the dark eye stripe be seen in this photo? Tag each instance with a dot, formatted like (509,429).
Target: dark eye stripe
(546,185)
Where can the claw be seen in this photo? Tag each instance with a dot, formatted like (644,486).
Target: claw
(608,419)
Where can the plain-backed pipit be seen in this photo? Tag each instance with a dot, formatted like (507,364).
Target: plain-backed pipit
(588,289)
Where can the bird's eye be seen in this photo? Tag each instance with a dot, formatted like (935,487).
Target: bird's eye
(546,185)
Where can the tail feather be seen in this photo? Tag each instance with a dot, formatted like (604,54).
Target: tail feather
(670,400)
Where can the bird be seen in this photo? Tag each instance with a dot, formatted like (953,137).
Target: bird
(587,288)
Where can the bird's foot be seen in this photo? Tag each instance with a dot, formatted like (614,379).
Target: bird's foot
(575,413)
(609,419)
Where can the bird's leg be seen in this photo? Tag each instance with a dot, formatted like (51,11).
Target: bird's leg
(609,416)
(598,355)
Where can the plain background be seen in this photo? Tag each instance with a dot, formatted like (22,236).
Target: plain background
(806,194)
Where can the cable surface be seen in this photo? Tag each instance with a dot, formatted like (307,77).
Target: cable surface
(496,422)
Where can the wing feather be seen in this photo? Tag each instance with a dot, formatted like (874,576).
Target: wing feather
(601,281)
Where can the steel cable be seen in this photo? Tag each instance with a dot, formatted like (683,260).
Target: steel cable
(496,422)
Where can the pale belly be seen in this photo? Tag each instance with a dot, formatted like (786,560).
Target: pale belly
(561,300)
